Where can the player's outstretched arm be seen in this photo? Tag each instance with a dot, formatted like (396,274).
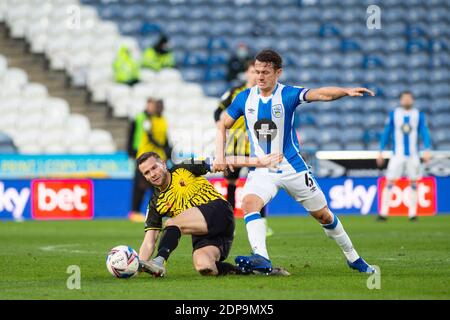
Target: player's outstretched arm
(334,93)
(268,161)
(148,245)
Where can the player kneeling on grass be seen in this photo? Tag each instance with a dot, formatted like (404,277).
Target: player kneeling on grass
(194,207)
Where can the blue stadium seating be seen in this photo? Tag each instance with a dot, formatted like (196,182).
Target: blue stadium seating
(322,43)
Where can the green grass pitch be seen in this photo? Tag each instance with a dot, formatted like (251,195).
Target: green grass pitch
(414,259)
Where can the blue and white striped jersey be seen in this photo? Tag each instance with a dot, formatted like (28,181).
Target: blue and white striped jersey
(269,122)
(404,127)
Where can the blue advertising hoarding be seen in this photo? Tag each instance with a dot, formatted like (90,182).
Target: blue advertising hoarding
(112,197)
(118,165)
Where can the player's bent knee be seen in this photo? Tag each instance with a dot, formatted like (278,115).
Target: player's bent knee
(205,268)
(324,215)
(170,222)
(207,272)
(251,203)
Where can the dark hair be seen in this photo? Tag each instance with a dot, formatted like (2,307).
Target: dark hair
(270,56)
(146,155)
(249,63)
(159,106)
(406,92)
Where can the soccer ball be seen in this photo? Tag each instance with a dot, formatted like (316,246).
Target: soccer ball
(122,262)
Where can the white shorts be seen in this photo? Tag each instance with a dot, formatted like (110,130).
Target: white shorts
(401,165)
(300,185)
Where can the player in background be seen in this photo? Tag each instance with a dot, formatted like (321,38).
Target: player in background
(404,126)
(237,142)
(269,109)
(194,207)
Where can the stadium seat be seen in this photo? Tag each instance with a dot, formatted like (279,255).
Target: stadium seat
(332,47)
(440,120)
(443,146)
(216,74)
(329,135)
(310,145)
(34,90)
(15,77)
(354,146)
(440,136)
(331,146)
(3,65)
(308,134)
(215,89)
(351,135)
(374,120)
(348,120)
(26,137)
(374,145)
(440,105)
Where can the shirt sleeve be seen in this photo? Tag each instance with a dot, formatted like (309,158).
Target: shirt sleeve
(424,132)
(198,167)
(388,128)
(294,96)
(153,220)
(237,107)
(302,95)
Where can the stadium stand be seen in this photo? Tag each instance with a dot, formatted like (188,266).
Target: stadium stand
(38,123)
(321,41)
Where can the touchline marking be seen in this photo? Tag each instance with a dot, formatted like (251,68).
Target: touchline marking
(65,248)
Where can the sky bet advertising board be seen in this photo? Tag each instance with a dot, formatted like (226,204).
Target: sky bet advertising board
(50,199)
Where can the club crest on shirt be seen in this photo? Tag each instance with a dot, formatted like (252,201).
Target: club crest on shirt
(406,128)
(277,111)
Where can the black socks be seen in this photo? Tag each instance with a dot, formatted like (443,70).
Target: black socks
(225,268)
(169,241)
(231,190)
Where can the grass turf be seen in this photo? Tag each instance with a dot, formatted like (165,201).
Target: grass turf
(414,259)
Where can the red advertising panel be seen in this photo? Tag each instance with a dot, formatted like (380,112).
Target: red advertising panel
(221,185)
(400,196)
(62,199)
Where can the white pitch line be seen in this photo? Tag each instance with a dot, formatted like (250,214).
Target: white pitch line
(64,248)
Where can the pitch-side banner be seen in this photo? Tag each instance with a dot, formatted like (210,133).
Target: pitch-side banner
(50,199)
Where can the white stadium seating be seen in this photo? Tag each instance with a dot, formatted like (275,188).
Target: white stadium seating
(38,123)
(86,51)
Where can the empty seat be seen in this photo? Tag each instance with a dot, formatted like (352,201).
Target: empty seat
(15,77)
(329,135)
(308,134)
(440,136)
(327,119)
(98,137)
(3,65)
(356,146)
(331,146)
(374,120)
(34,90)
(351,135)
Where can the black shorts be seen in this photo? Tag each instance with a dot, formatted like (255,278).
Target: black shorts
(219,218)
(232,175)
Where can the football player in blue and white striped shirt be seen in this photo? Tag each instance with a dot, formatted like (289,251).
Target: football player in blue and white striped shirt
(268,109)
(404,126)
